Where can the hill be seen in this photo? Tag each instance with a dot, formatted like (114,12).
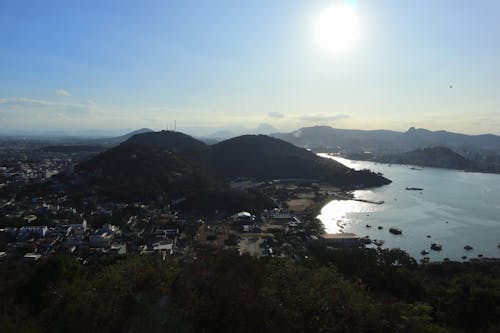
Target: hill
(148,165)
(438,157)
(264,158)
(173,164)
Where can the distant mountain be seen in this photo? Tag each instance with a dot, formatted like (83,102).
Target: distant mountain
(264,128)
(438,157)
(122,138)
(228,133)
(222,134)
(381,141)
(175,164)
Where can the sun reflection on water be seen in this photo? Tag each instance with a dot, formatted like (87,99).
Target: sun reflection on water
(336,215)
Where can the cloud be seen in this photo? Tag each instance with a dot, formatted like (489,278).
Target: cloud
(277,115)
(62,92)
(24,107)
(322,118)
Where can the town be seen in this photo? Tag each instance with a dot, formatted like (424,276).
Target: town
(37,220)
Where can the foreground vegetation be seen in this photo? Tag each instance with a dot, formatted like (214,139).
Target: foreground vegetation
(350,290)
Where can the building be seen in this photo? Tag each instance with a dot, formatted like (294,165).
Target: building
(341,239)
(101,240)
(38,231)
(243,217)
(79,229)
(31,257)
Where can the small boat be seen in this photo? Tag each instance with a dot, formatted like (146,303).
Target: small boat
(480,255)
(436,247)
(468,247)
(395,231)
(368,226)
(464,257)
(378,242)
(414,189)
(380,227)
(424,252)
(425,260)
(428,236)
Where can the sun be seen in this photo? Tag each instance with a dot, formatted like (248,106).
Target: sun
(336,28)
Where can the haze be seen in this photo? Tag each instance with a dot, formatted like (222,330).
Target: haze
(218,64)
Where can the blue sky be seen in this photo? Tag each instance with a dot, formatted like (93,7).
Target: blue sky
(128,64)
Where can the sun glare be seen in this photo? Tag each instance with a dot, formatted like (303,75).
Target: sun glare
(336,29)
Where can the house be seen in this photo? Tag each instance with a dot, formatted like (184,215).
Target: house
(38,231)
(31,257)
(118,248)
(79,229)
(100,240)
(165,245)
(243,217)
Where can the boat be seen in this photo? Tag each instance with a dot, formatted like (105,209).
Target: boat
(414,189)
(378,242)
(436,247)
(395,231)
(380,227)
(366,240)
(428,236)
(424,252)
(468,247)
(368,226)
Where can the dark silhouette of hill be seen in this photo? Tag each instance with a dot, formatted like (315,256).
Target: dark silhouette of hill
(438,157)
(263,157)
(174,164)
(381,141)
(150,164)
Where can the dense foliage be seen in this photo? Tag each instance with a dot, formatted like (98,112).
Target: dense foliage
(336,291)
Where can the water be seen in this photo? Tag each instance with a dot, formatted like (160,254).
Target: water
(455,208)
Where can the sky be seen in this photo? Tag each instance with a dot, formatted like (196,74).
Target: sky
(111,65)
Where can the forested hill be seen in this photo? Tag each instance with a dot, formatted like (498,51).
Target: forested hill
(438,157)
(174,163)
(263,157)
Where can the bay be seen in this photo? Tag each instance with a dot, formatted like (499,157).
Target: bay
(455,209)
